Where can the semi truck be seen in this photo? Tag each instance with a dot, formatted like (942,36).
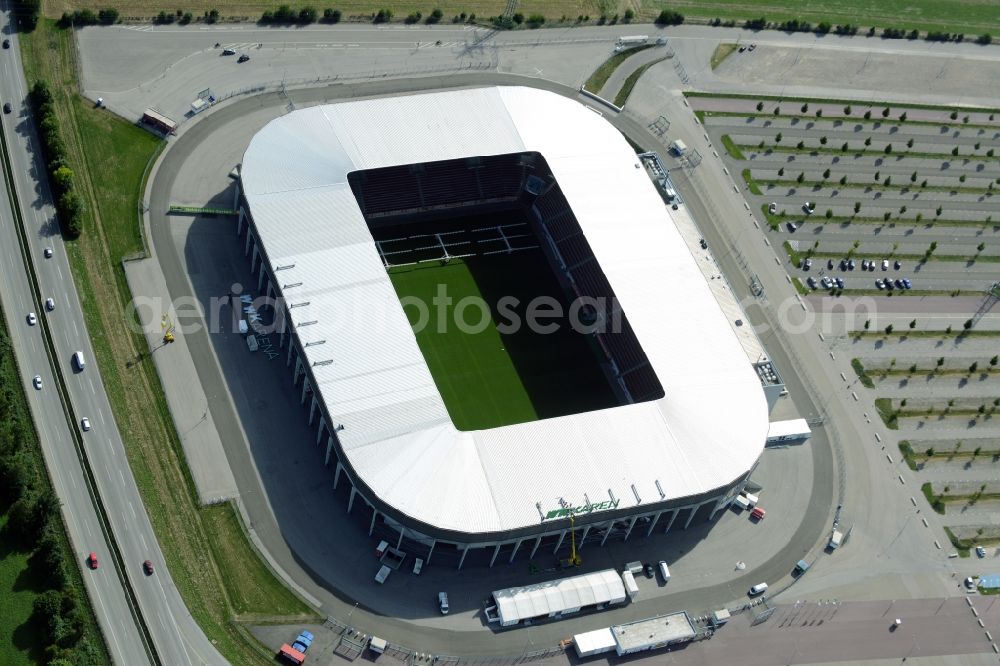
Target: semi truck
(630,42)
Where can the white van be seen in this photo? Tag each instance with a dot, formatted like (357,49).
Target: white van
(741,503)
(759,588)
(443,603)
(665,571)
(78,360)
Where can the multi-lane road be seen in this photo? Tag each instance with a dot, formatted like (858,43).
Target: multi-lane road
(174,635)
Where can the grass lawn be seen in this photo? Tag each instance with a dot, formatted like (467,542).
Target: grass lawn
(971,17)
(722,51)
(108,156)
(18,589)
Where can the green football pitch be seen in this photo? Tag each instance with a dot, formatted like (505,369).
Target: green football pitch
(490,378)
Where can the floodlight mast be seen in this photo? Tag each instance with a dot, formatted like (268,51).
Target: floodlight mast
(574,557)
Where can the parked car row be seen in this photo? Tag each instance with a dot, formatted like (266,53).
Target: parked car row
(826,282)
(889,283)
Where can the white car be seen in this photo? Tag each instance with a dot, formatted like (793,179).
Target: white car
(443,602)
(32,319)
(85,424)
(772,208)
(50,304)
(37,381)
(980,551)
(885,264)
(48,253)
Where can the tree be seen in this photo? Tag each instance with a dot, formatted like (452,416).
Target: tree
(777,137)
(819,113)
(801,145)
(885,112)
(909,143)
(961,178)
(888,329)
(801,177)
(878,176)
(868,114)
(940,361)
(954,151)
(847,110)
(938,211)
(629,15)
(868,323)
(967,325)
(954,115)
(913,177)
(902,117)
(993,361)
(868,141)
(843,148)
(668,17)
(777,110)
(760,106)
(805,107)
(843,180)
(826,174)
(981,247)
(973,367)
(913,324)
(888,148)
(888,181)
(857,206)
(822,140)
(781,172)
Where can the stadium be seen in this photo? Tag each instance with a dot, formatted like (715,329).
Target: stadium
(501,337)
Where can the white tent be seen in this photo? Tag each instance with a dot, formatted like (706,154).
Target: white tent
(558,597)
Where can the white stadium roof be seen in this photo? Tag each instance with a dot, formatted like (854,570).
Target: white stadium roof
(709,428)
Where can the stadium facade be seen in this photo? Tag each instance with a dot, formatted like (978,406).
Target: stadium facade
(693,419)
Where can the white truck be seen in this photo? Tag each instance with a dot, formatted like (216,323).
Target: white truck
(678,147)
(741,503)
(835,540)
(630,587)
(382,574)
(630,42)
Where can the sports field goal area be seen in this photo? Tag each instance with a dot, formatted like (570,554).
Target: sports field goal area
(444,246)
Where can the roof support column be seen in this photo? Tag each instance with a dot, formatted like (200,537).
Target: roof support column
(461,561)
(694,510)
(399,542)
(516,546)
(261,275)
(371,527)
(653,522)
(298,369)
(246,244)
(607,532)
(496,551)
(586,531)
(534,548)
(670,522)
(350,502)
(329,448)
(312,411)
(305,387)
(322,426)
(562,535)
(630,526)
(336,474)
(239,221)
(428,560)
(719,506)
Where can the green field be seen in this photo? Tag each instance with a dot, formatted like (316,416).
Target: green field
(487,378)
(971,17)
(18,589)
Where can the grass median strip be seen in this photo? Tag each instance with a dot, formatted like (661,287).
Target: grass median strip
(108,156)
(601,75)
(630,82)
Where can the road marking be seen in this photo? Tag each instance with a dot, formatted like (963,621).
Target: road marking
(109,624)
(132,509)
(121,475)
(143,540)
(100,415)
(112,447)
(76,331)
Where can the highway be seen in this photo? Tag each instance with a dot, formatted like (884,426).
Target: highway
(175,635)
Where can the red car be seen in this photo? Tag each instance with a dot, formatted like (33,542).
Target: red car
(147,566)
(92,561)
(757,513)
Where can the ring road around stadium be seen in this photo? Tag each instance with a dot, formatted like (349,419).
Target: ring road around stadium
(500,331)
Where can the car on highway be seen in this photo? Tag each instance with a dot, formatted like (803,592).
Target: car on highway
(772,208)
(37,381)
(50,304)
(228,51)
(243,58)
(85,424)
(48,253)
(980,551)
(6,43)
(32,319)
(6,107)
(92,561)
(147,567)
